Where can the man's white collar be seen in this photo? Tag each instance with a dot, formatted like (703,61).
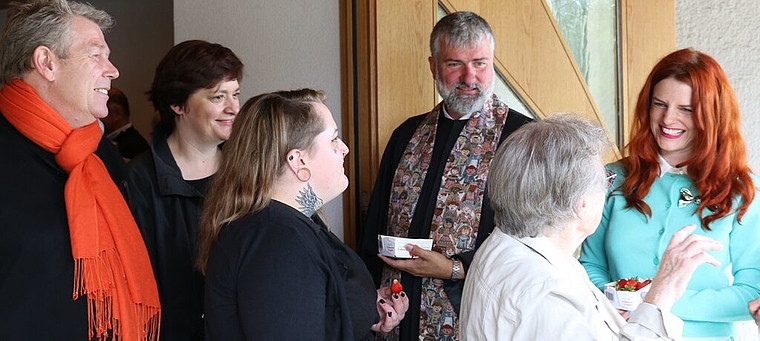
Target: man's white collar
(463,118)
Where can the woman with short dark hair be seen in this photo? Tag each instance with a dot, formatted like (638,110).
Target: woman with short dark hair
(196,93)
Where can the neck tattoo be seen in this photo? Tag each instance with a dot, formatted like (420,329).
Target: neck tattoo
(308,200)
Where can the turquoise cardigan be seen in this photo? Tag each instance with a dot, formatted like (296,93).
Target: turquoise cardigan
(626,245)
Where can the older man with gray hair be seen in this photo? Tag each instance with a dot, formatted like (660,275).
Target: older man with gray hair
(67,230)
(431,182)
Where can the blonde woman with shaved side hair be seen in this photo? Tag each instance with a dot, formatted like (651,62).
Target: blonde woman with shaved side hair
(273,269)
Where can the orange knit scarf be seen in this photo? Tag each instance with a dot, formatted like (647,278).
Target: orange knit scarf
(111,264)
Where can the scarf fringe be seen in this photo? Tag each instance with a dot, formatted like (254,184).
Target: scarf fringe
(151,314)
(102,313)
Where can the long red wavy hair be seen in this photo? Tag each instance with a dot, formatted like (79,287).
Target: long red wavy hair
(718,165)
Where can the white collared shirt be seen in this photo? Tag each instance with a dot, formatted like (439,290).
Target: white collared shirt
(525,289)
(665,167)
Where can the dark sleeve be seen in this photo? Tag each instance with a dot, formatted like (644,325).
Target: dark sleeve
(275,289)
(454,289)
(140,185)
(115,165)
(131,143)
(377,212)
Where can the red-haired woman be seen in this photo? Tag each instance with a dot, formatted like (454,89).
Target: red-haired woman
(685,164)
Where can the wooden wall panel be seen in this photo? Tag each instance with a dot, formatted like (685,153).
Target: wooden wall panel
(648,33)
(404,83)
(348,121)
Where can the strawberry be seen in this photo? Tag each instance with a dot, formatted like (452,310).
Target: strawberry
(631,284)
(620,284)
(396,286)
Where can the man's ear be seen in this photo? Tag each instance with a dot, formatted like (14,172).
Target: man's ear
(45,62)
(433,70)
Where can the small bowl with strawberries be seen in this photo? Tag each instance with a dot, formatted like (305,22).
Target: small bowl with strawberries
(627,293)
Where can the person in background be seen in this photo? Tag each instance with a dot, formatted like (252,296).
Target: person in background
(273,269)
(119,129)
(686,163)
(72,263)
(432,179)
(196,93)
(547,189)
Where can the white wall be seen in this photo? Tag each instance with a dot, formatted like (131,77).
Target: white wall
(142,35)
(284,44)
(728,31)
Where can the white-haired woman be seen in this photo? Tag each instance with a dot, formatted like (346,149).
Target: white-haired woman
(547,188)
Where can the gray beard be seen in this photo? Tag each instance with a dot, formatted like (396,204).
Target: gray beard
(464,104)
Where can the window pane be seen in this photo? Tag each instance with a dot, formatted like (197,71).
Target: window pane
(590,30)
(505,93)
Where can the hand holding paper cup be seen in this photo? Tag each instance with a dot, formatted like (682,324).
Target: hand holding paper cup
(396,246)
